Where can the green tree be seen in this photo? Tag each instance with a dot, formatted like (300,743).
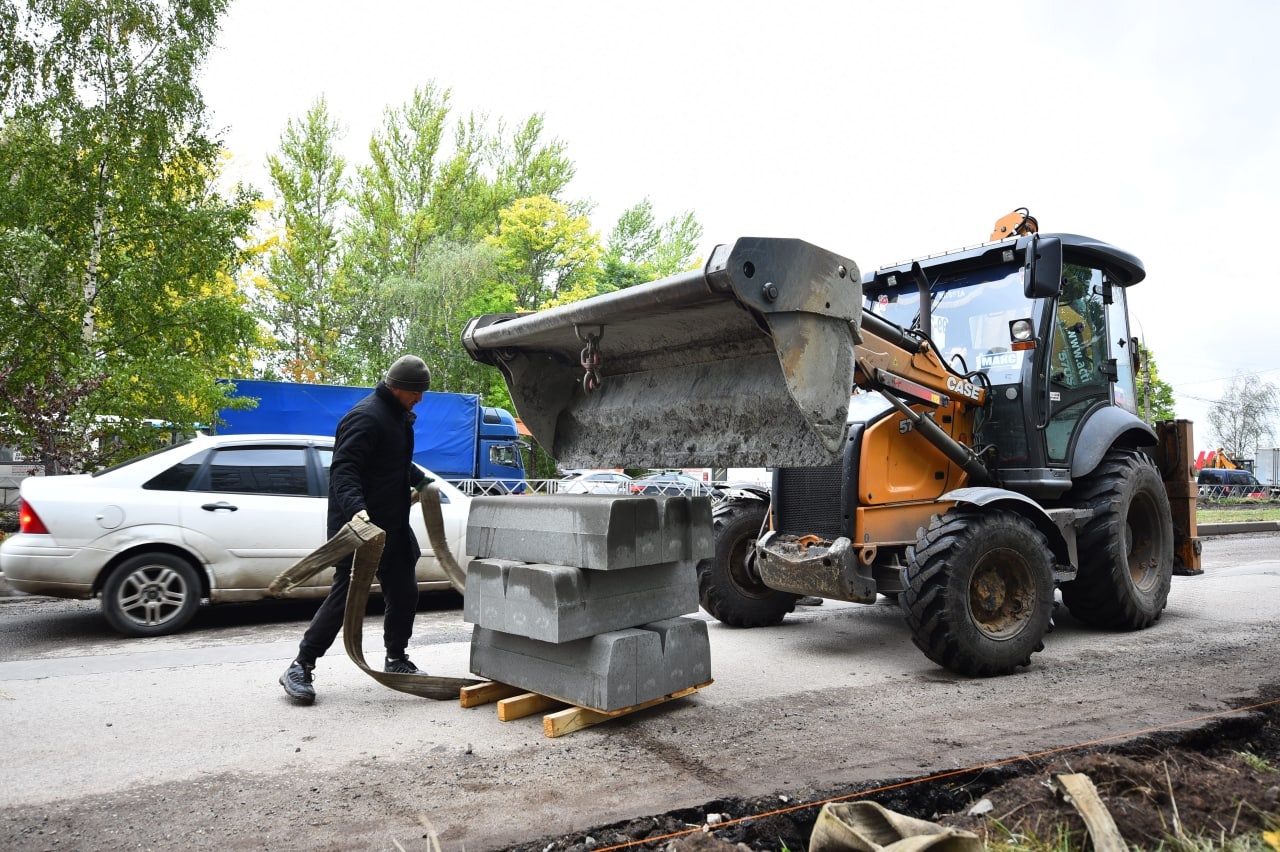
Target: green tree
(310,306)
(1155,397)
(527,167)
(639,249)
(414,247)
(117,251)
(393,222)
(453,284)
(1241,421)
(547,254)
(395,257)
(678,245)
(460,209)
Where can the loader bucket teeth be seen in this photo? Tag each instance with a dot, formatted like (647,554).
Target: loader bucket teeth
(748,362)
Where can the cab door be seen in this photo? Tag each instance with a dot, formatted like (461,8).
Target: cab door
(1080,371)
(252,511)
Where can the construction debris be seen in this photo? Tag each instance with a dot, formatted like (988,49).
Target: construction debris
(1077,790)
(871,827)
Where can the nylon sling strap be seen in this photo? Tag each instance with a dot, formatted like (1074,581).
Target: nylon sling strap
(366,540)
(433,520)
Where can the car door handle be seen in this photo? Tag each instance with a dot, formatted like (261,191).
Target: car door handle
(214,507)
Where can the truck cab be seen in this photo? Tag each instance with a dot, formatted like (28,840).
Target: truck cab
(498,451)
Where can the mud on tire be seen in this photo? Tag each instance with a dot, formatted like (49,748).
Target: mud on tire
(979,594)
(1126,549)
(727,588)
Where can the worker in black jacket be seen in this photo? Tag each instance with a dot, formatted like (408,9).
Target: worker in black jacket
(371,477)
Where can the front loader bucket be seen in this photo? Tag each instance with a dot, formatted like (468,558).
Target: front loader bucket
(748,362)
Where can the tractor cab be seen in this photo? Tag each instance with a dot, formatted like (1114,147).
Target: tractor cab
(1040,321)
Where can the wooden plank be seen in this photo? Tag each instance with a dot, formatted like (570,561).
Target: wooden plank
(576,718)
(570,720)
(1079,791)
(526,704)
(487,693)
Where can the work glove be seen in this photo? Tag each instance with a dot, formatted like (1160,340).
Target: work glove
(362,515)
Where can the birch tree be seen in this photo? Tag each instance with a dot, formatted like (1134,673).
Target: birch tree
(1241,421)
(117,250)
(311,306)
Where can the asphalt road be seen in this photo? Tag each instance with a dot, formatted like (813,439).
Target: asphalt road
(188,741)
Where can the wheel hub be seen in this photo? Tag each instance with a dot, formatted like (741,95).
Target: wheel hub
(151,597)
(1140,544)
(744,571)
(1001,595)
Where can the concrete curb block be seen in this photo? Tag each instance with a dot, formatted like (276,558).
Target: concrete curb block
(1238,527)
(608,671)
(555,603)
(594,531)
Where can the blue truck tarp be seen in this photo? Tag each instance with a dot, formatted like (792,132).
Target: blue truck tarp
(445,435)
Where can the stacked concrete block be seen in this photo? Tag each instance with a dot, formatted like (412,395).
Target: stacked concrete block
(556,603)
(601,533)
(609,671)
(580,597)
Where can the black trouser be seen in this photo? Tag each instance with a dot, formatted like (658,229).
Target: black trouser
(397,574)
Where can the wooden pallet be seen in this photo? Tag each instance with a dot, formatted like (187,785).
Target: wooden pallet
(516,703)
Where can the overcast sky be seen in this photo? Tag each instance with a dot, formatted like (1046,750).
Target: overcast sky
(879,130)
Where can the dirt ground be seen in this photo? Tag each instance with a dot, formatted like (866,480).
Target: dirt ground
(1216,782)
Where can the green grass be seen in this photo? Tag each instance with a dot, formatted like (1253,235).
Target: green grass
(1256,763)
(1238,513)
(1060,838)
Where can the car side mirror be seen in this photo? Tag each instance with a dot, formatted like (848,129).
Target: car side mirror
(1042,278)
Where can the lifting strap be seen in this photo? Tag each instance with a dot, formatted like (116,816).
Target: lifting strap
(365,540)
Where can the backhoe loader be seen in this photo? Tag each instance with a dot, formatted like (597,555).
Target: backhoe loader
(1220,460)
(959,432)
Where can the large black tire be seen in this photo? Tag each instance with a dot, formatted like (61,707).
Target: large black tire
(1126,549)
(727,587)
(151,594)
(979,596)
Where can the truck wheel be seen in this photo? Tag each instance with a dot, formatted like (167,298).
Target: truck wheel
(979,594)
(727,587)
(1126,549)
(151,594)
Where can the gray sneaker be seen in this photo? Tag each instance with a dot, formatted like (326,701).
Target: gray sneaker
(297,683)
(400,665)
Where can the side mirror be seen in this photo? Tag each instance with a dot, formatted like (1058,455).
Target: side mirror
(1042,278)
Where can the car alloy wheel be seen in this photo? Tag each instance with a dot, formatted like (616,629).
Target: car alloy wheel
(151,594)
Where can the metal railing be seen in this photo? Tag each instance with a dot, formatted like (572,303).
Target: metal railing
(491,487)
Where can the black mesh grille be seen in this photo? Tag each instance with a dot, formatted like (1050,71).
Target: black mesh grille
(806,500)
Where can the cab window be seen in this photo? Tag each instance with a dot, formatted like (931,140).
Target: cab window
(1080,330)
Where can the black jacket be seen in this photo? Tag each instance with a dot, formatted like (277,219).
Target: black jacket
(372,466)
